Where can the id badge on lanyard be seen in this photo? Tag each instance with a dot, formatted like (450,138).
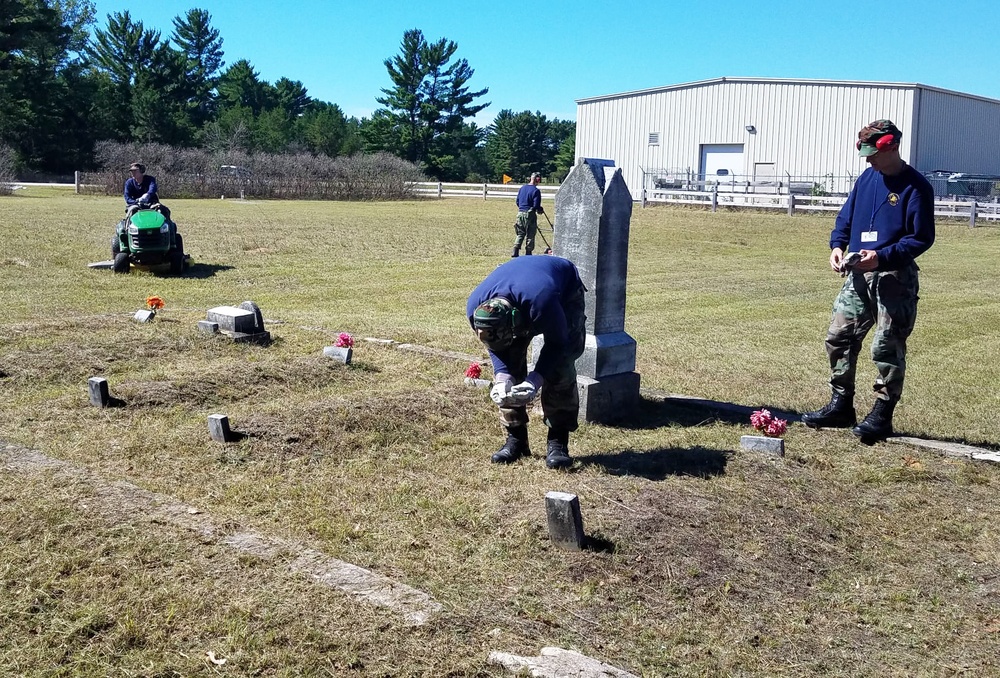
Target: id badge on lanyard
(871,235)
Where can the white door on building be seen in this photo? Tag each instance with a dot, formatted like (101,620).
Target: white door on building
(764,177)
(721,163)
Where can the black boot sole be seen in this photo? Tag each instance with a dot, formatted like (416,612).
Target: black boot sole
(498,458)
(814,425)
(871,437)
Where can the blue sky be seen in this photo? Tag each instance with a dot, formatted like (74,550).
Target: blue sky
(543,56)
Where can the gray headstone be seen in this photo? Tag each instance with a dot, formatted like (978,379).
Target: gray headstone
(218,428)
(99,394)
(258,316)
(208,327)
(593,215)
(562,512)
(342,354)
(144,316)
(233,319)
(477,383)
(765,444)
(101,264)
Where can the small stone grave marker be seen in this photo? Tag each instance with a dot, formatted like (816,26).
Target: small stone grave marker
(774,446)
(243,323)
(218,428)
(564,520)
(342,354)
(99,394)
(144,316)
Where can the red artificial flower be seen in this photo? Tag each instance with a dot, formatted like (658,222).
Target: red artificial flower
(473,371)
(344,340)
(760,419)
(776,428)
(154,303)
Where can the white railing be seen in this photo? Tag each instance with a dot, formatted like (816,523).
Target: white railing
(444,189)
(712,199)
(953,209)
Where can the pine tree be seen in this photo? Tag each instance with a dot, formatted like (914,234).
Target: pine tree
(424,119)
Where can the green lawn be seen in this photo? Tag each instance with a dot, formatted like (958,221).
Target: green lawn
(840,560)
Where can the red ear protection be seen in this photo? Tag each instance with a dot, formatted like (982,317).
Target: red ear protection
(882,143)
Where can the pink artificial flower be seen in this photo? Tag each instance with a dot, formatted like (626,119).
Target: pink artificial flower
(344,340)
(776,427)
(761,419)
(473,371)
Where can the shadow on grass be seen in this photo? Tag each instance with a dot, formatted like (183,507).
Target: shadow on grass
(201,271)
(598,544)
(658,464)
(656,412)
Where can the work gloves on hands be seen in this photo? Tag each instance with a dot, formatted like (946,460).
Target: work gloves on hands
(848,263)
(501,392)
(506,393)
(522,394)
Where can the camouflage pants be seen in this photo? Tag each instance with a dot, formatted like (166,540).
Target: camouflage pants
(559,398)
(886,300)
(524,229)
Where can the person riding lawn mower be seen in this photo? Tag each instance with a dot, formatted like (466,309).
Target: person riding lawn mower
(146,235)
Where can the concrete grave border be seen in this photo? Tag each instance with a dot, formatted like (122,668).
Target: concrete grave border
(116,497)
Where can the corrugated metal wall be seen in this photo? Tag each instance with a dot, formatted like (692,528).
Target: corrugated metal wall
(957,133)
(806,128)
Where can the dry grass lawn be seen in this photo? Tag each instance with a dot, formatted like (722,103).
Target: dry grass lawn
(840,560)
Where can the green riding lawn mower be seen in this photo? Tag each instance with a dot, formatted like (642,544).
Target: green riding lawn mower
(148,238)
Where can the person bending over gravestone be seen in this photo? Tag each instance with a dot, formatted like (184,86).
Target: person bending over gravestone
(529,205)
(521,299)
(140,191)
(886,223)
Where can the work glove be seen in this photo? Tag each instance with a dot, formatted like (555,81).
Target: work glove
(848,262)
(522,393)
(500,393)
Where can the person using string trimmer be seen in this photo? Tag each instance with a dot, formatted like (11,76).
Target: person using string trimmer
(529,205)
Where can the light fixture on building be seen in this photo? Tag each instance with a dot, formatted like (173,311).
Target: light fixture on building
(751,129)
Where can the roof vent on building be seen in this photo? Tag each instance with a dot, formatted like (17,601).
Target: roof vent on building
(654,138)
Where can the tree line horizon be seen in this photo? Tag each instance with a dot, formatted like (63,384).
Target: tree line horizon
(66,85)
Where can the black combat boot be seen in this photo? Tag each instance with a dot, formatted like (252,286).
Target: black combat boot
(878,424)
(515,252)
(557,450)
(515,447)
(838,413)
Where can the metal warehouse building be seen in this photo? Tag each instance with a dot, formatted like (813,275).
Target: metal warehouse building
(783,133)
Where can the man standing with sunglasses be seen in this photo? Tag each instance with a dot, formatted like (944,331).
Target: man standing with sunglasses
(886,223)
(519,300)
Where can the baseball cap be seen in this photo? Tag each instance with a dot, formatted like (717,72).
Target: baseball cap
(872,132)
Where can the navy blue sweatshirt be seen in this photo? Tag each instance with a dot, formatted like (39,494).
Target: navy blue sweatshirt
(134,190)
(893,215)
(537,286)
(529,198)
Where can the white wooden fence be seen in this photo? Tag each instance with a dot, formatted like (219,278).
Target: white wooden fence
(485,191)
(713,199)
(954,209)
